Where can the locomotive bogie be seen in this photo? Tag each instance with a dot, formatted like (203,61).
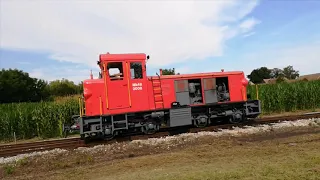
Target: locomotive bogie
(177,116)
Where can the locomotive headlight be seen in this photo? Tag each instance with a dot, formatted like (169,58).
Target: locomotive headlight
(87,93)
(244,82)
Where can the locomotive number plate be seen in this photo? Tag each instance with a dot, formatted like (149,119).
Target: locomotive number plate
(137,86)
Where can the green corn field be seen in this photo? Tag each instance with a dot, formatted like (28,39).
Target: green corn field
(42,119)
(287,97)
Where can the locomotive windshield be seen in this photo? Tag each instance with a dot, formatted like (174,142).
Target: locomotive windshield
(115,70)
(136,70)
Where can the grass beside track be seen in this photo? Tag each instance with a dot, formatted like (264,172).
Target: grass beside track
(291,153)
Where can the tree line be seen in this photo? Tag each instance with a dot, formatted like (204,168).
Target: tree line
(18,86)
(258,75)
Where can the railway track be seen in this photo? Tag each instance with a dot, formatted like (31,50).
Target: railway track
(71,143)
(21,148)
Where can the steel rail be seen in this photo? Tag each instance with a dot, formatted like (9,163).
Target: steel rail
(21,148)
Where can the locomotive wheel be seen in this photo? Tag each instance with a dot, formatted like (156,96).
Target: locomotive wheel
(109,134)
(236,118)
(201,121)
(108,137)
(150,128)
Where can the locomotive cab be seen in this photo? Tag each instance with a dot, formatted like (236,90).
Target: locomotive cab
(125,81)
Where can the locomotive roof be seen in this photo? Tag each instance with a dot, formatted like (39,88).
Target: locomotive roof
(199,75)
(119,57)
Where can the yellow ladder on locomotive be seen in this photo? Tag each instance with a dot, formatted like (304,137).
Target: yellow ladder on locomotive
(157,93)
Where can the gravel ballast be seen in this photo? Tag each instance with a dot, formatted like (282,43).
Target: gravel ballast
(170,140)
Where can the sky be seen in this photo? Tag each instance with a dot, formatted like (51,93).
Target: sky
(57,39)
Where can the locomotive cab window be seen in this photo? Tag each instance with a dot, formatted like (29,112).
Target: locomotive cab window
(136,70)
(115,70)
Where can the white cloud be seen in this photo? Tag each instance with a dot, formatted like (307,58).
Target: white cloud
(37,73)
(183,70)
(78,31)
(53,73)
(249,34)
(24,63)
(248,24)
(303,57)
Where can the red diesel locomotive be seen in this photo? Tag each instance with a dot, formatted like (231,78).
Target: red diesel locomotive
(124,99)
